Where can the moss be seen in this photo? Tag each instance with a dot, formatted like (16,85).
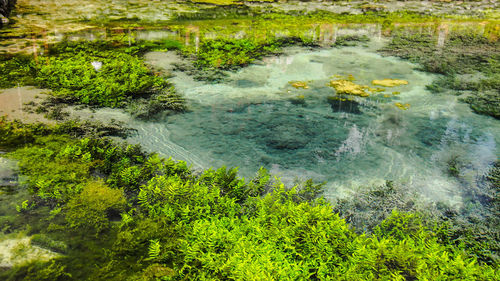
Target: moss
(346,87)
(91,208)
(389,82)
(299,84)
(401,106)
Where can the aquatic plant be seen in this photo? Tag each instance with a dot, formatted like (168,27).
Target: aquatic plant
(299,84)
(389,82)
(121,78)
(92,206)
(96,74)
(230,53)
(350,40)
(16,70)
(347,87)
(182,225)
(402,106)
(463,54)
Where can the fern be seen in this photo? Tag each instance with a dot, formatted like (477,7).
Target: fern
(153,250)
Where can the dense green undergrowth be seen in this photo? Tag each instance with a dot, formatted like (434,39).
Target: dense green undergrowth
(469,63)
(100,74)
(117,213)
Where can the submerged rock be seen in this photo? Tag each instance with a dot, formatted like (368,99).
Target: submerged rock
(19,250)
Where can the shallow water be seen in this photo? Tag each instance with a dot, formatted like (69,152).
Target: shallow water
(256,118)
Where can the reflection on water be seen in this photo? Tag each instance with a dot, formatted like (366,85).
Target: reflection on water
(257,118)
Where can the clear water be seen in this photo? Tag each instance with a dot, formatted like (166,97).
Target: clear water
(256,118)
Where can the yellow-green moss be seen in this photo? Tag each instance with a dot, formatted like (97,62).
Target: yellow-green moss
(299,84)
(347,87)
(402,106)
(390,82)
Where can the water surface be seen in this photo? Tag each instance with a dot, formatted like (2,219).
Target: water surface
(256,118)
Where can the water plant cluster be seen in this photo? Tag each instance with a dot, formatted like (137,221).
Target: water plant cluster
(98,74)
(142,217)
(469,63)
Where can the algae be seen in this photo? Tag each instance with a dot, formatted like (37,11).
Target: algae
(389,82)
(401,106)
(347,87)
(299,84)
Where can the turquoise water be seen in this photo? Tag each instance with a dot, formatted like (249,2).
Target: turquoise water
(256,118)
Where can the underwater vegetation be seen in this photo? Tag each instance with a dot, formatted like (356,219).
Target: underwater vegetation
(97,74)
(402,106)
(143,217)
(346,87)
(299,84)
(115,212)
(346,90)
(389,82)
(469,63)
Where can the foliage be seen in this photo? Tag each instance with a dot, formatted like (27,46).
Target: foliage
(91,208)
(46,242)
(120,78)
(350,40)
(43,271)
(53,177)
(176,225)
(15,133)
(16,70)
(229,53)
(102,74)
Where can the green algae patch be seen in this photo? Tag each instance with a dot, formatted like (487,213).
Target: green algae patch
(217,2)
(389,82)
(346,87)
